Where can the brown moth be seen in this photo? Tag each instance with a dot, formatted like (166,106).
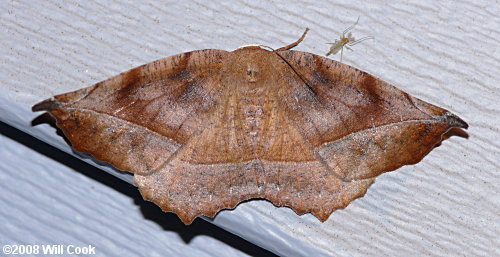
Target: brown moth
(205,130)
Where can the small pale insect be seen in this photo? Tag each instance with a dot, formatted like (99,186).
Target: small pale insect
(345,40)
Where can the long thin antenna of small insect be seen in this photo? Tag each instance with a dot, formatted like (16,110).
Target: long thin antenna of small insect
(350,27)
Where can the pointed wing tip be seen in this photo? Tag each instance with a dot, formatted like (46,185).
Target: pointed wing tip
(45,105)
(455,121)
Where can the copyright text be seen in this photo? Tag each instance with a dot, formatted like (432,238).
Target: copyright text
(19,249)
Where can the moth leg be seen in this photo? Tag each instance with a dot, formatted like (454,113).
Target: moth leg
(294,44)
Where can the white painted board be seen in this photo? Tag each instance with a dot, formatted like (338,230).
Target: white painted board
(446,53)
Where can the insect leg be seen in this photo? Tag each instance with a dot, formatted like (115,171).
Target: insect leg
(359,40)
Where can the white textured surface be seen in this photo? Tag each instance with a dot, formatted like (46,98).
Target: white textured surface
(446,53)
(45,202)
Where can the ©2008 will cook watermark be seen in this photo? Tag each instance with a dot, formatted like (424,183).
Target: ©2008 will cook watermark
(34,249)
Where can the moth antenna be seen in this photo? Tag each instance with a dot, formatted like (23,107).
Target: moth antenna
(266,46)
(294,44)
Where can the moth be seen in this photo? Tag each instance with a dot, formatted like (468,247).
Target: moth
(205,130)
(345,40)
